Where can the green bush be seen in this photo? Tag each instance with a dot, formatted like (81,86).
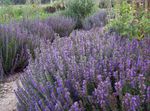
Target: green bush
(130,23)
(79,9)
(106,3)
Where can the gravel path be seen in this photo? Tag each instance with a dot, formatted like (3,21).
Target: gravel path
(7,96)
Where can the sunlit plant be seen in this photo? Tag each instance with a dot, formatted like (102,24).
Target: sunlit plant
(87,71)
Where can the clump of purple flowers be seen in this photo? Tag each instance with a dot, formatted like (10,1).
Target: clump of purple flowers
(98,19)
(17,37)
(87,71)
(61,25)
(37,28)
(13,50)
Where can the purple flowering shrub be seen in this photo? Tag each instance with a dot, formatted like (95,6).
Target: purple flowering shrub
(16,38)
(98,19)
(37,28)
(87,71)
(61,25)
(13,50)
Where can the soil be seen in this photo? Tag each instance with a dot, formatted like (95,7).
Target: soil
(8,99)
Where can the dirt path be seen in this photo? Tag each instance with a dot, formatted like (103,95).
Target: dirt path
(7,96)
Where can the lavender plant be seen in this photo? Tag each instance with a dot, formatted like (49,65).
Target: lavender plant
(16,38)
(13,50)
(37,28)
(98,19)
(61,25)
(87,71)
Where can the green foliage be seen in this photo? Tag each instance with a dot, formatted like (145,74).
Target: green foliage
(128,22)
(106,3)
(8,11)
(18,12)
(123,18)
(79,9)
(127,88)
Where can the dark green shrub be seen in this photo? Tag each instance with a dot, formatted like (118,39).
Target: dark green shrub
(79,9)
(106,3)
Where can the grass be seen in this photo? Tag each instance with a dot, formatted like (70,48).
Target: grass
(32,11)
(17,12)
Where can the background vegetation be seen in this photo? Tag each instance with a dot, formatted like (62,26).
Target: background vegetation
(100,48)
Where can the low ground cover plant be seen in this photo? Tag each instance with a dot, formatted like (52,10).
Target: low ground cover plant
(87,71)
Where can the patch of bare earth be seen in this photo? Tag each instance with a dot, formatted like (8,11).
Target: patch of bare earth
(7,95)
